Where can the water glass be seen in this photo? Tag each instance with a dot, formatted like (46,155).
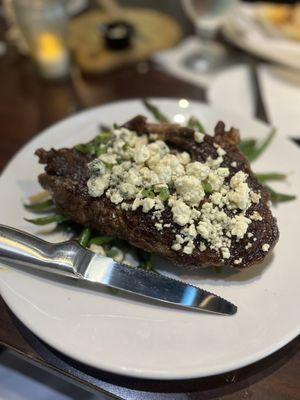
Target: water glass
(44,26)
(207,16)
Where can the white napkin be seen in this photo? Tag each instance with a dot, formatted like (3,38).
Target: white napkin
(172,61)
(232,90)
(280,89)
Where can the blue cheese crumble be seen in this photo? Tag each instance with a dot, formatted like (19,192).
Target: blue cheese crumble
(139,171)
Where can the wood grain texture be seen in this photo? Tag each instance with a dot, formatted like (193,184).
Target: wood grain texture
(27,105)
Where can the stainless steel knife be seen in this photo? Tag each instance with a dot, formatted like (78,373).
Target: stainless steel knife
(70,259)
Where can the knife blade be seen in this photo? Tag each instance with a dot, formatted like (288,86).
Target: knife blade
(72,260)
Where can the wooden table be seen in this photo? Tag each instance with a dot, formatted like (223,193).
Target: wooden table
(27,105)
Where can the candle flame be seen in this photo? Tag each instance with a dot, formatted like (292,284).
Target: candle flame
(49,45)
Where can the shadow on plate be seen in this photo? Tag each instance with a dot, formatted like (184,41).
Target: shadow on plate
(228,276)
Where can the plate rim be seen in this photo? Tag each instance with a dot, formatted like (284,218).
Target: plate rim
(162,375)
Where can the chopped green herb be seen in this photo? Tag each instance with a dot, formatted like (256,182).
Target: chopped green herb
(207,187)
(148,193)
(194,123)
(277,197)
(84,237)
(125,147)
(48,220)
(43,206)
(164,194)
(87,148)
(94,147)
(108,166)
(103,137)
(101,150)
(159,116)
(100,240)
(270,176)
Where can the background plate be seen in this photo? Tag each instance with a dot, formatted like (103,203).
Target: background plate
(242,29)
(122,335)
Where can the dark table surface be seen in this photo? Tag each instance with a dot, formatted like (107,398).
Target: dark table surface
(27,105)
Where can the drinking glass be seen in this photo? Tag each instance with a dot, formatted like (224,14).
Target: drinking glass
(43,24)
(207,16)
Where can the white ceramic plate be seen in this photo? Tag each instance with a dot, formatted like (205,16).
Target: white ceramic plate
(242,29)
(140,339)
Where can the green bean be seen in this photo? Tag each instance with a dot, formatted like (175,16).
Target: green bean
(48,220)
(194,123)
(100,240)
(247,146)
(43,206)
(159,116)
(260,148)
(248,142)
(84,237)
(277,197)
(270,176)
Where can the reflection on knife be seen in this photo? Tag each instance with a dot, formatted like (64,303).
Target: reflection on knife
(70,259)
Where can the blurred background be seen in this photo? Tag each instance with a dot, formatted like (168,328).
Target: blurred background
(58,57)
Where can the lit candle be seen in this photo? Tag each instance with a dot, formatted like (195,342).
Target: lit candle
(52,56)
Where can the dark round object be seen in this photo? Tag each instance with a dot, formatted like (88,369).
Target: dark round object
(117,34)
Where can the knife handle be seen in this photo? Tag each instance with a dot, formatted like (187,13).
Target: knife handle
(23,249)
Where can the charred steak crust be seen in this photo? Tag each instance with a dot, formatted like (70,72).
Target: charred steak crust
(66,175)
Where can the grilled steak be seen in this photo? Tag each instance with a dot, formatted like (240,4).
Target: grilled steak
(67,173)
